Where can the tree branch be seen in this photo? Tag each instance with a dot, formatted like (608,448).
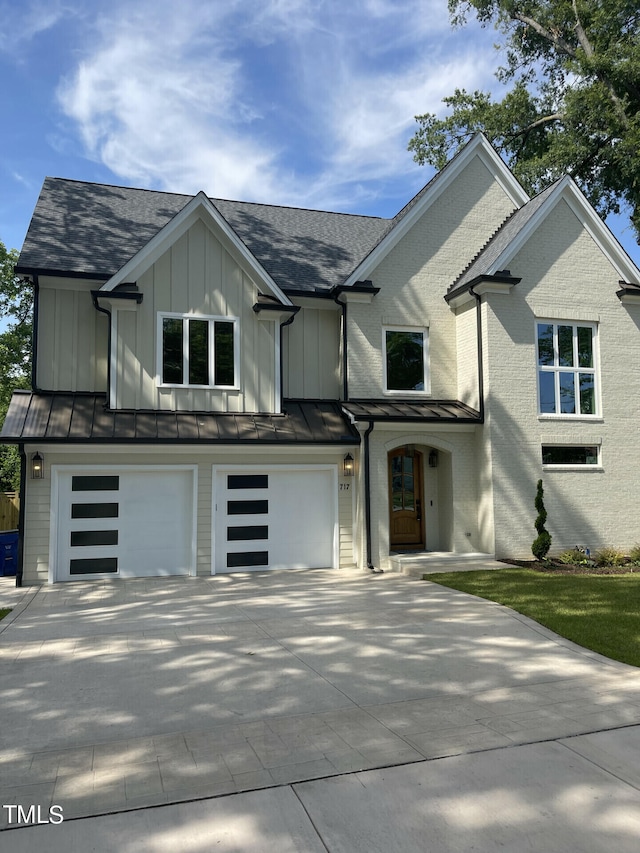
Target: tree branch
(561,44)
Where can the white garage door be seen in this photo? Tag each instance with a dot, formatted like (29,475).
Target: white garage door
(278,518)
(124,523)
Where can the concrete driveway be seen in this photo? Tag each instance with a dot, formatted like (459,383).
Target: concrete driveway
(126,695)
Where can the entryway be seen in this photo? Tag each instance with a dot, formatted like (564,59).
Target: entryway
(406,499)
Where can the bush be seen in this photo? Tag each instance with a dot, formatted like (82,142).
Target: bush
(574,557)
(610,557)
(542,542)
(634,555)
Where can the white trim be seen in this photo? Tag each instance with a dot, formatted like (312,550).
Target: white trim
(478,146)
(211,320)
(332,468)
(56,469)
(199,207)
(277,338)
(394,392)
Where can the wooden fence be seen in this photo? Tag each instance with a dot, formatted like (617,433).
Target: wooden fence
(9,510)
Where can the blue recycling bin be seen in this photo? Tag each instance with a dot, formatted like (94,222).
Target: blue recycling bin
(8,552)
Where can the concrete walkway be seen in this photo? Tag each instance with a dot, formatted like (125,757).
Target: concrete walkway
(144,693)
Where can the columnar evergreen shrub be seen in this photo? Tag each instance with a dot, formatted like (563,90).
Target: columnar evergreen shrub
(542,542)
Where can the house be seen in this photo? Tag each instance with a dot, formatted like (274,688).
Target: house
(221,386)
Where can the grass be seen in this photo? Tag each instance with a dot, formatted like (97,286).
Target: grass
(599,612)
(4,611)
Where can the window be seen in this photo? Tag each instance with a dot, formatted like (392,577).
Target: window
(566,354)
(569,455)
(200,351)
(405,360)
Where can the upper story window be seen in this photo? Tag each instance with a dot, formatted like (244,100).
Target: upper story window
(405,360)
(198,351)
(567,380)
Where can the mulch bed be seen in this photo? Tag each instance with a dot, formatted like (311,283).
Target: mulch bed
(555,568)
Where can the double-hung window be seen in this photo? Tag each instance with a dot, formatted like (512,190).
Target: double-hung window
(405,360)
(567,376)
(198,351)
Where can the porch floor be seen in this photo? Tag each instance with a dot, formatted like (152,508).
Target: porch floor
(416,564)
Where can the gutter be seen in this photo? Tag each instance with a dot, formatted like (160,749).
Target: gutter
(367,498)
(94,297)
(345,379)
(478,299)
(34,332)
(21,514)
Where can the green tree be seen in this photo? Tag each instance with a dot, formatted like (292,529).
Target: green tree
(573,104)
(16,310)
(542,542)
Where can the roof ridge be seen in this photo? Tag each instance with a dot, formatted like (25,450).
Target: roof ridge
(214,198)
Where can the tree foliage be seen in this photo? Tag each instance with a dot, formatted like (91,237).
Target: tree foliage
(542,542)
(16,308)
(573,104)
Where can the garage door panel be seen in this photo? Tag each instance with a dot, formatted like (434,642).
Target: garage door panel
(290,521)
(142,528)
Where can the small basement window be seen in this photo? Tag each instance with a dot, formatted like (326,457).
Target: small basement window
(564,454)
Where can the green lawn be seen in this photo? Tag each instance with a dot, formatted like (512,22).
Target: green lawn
(4,611)
(599,612)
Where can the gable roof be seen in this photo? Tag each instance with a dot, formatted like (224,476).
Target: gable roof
(198,208)
(92,230)
(517,229)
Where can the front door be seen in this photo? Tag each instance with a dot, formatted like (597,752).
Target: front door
(406,525)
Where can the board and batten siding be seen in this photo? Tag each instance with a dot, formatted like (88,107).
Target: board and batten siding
(311,355)
(71,349)
(195,276)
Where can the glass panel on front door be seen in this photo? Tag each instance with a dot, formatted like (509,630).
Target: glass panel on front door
(405,500)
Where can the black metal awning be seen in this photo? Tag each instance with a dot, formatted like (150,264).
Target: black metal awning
(431,411)
(85,418)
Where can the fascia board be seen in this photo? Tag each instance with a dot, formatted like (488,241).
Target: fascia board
(199,207)
(479,146)
(568,191)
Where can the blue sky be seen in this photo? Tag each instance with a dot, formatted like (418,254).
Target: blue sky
(299,102)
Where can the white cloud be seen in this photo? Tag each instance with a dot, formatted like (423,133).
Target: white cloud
(301,103)
(22,22)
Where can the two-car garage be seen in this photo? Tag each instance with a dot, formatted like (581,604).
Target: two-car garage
(142,521)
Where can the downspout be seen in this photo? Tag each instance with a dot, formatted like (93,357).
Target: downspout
(23,491)
(94,298)
(345,381)
(480,352)
(367,499)
(286,322)
(34,332)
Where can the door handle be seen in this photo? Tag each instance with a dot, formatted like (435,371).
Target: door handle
(419,509)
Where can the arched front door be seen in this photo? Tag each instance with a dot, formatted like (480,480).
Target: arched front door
(406,522)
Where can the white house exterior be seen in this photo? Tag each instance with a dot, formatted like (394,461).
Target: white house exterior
(221,386)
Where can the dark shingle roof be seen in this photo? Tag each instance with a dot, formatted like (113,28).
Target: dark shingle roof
(94,229)
(80,417)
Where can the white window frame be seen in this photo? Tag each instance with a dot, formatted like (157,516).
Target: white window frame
(573,466)
(211,319)
(393,392)
(556,369)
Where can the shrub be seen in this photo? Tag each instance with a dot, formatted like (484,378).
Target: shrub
(610,557)
(634,554)
(542,542)
(574,557)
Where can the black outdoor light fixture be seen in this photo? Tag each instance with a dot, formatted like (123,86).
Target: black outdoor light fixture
(37,467)
(347,465)
(433,459)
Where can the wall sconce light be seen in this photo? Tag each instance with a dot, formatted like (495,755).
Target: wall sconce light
(37,467)
(433,459)
(347,465)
